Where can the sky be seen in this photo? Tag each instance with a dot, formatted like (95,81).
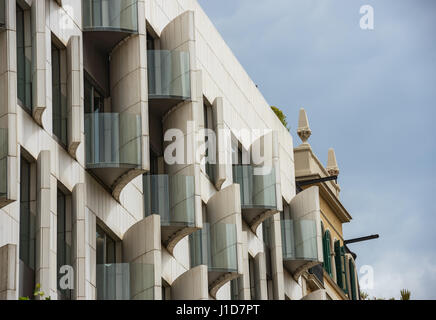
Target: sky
(370,95)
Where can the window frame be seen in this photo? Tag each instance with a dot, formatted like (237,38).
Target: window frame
(61,105)
(27,106)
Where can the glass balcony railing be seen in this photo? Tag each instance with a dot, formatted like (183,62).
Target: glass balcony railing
(113,140)
(216,247)
(110,15)
(172,197)
(125,281)
(168,75)
(2,14)
(257,190)
(299,241)
(3,162)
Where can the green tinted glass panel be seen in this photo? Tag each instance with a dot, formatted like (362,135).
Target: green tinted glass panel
(125,281)
(116,15)
(257,190)
(299,240)
(113,140)
(172,197)
(215,246)
(168,74)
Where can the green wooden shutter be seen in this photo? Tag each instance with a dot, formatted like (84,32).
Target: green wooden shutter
(353,281)
(338,264)
(328,255)
(324,252)
(344,271)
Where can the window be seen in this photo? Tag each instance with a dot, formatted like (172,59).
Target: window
(24,52)
(106,247)
(326,251)
(237,155)
(252,271)
(154,163)
(151,62)
(266,232)
(59,100)
(150,41)
(94,98)
(340,266)
(27,231)
(234,289)
(166,290)
(2,14)
(107,270)
(208,118)
(64,230)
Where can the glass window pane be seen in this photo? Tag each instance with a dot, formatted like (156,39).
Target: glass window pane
(100,246)
(58,99)
(21,71)
(27,234)
(24,66)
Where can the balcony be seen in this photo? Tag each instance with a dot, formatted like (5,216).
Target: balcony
(3,166)
(299,243)
(2,14)
(301,233)
(258,194)
(107,22)
(113,146)
(216,247)
(125,281)
(169,81)
(173,198)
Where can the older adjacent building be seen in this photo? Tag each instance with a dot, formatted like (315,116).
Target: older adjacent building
(336,278)
(97,201)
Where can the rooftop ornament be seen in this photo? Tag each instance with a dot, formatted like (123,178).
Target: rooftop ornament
(303,130)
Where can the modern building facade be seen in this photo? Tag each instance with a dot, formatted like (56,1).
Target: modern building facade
(138,160)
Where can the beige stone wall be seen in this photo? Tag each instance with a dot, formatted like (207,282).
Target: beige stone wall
(215,74)
(330,220)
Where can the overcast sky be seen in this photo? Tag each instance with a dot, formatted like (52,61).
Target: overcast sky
(371,95)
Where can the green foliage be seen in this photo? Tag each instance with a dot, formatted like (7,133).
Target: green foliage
(405,294)
(279,113)
(36,293)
